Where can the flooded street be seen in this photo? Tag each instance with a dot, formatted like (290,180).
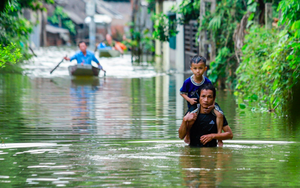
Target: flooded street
(121,131)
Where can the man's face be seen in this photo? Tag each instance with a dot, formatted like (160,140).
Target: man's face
(82,47)
(108,38)
(198,69)
(206,98)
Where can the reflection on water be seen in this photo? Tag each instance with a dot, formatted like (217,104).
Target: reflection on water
(202,167)
(122,131)
(83,95)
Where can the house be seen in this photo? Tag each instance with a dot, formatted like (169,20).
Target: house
(176,54)
(57,36)
(118,11)
(170,54)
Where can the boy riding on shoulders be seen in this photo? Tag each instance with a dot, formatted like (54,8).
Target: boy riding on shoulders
(190,92)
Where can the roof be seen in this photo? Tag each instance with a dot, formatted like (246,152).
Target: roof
(74,16)
(55,30)
(75,9)
(99,18)
(108,9)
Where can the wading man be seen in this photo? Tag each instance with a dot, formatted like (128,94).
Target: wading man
(202,126)
(84,56)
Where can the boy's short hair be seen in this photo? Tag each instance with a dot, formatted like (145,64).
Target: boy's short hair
(208,87)
(197,59)
(81,42)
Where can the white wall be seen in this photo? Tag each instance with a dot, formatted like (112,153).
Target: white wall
(167,5)
(179,46)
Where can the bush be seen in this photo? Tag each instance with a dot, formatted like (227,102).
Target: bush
(9,54)
(270,64)
(269,68)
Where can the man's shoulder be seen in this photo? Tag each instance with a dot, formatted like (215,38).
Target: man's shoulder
(89,52)
(78,52)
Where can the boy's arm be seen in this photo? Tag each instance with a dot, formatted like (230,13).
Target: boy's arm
(220,120)
(192,101)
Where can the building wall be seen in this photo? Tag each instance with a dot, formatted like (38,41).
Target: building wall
(172,55)
(54,40)
(179,45)
(167,5)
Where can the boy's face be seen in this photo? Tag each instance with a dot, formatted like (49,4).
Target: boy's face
(198,69)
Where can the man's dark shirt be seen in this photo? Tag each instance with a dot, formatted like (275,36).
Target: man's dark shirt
(204,124)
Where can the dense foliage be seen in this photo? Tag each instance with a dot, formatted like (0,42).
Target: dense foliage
(9,53)
(60,17)
(221,24)
(165,28)
(270,66)
(15,29)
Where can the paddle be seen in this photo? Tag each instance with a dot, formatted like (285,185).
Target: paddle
(102,70)
(57,65)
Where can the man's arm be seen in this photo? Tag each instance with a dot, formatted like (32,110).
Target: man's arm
(70,58)
(219,136)
(96,60)
(117,47)
(186,124)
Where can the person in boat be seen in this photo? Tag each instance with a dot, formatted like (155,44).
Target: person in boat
(110,44)
(190,89)
(202,125)
(84,56)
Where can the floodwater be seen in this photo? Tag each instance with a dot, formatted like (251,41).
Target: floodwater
(121,131)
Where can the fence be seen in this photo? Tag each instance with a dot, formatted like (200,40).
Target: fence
(191,48)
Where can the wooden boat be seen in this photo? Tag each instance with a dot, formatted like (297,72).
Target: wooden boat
(108,53)
(83,70)
(85,81)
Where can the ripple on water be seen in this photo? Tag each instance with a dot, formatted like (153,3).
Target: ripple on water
(123,131)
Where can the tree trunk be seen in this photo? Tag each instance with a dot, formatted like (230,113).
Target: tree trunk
(239,36)
(261,8)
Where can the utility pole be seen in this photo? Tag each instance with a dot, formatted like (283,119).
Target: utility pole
(90,11)
(268,15)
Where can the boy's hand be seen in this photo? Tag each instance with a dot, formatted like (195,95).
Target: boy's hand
(209,109)
(190,117)
(193,101)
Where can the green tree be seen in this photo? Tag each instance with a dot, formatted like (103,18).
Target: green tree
(15,29)
(60,17)
(221,24)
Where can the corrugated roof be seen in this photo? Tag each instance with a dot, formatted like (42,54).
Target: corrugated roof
(55,30)
(74,16)
(106,8)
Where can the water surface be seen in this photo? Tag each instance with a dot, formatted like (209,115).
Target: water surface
(121,131)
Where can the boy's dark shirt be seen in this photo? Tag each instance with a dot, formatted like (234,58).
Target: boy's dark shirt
(204,124)
(191,89)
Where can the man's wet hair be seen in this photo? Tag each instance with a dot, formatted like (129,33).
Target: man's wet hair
(81,42)
(208,87)
(197,59)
